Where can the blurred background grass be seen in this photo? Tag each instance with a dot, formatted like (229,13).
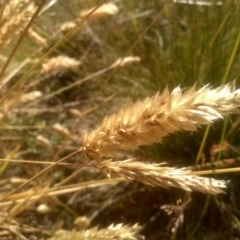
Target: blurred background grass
(179,44)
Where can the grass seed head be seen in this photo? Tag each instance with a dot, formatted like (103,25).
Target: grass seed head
(61,130)
(57,66)
(121,62)
(103,10)
(157,176)
(147,121)
(44,142)
(31,96)
(12,8)
(118,232)
(15,25)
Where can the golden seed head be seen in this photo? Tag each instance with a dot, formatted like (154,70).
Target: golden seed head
(103,10)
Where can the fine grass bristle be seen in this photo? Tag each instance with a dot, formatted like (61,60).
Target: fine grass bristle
(147,121)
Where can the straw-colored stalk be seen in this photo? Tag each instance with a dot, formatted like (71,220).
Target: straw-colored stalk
(39,40)
(117,232)
(147,121)
(15,25)
(158,176)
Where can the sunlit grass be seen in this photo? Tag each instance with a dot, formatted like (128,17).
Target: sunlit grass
(178,44)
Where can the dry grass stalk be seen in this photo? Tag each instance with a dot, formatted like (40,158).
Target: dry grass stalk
(57,66)
(103,10)
(18,227)
(157,176)
(147,121)
(116,232)
(177,211)
(12,8)
(15,25)
(54,191)
(37,38)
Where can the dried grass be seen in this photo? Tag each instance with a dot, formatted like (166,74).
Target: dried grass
(31,96)
(147,121)
(143,122)
(117,232)
(37,38)
(12,8)
(157,176)
(121,62)
(15,25)
(57,66)
(61,130)
(44,142)
(67,26)
(103,10)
